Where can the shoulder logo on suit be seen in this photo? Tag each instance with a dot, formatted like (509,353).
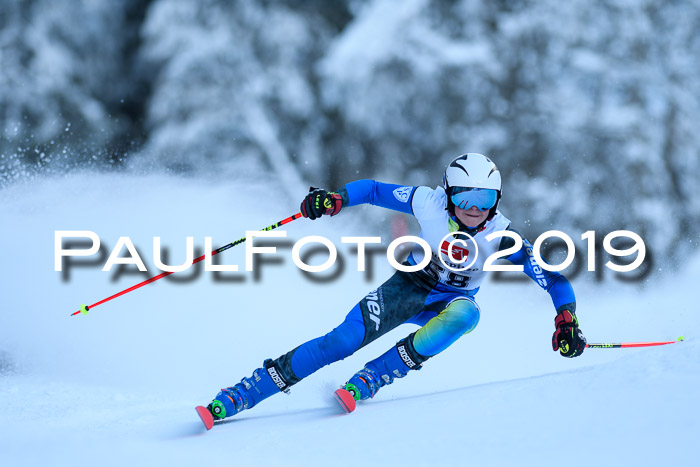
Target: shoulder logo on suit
(403,193)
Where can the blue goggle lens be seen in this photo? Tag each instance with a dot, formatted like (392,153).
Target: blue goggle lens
(483,198)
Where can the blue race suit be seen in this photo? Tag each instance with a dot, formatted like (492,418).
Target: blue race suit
(437,298)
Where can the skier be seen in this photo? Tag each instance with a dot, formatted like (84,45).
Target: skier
(437,298)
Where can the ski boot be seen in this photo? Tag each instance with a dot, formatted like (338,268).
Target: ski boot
(249,392)
(364,384)
(395,363)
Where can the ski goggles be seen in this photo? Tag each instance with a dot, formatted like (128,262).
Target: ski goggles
(483,198)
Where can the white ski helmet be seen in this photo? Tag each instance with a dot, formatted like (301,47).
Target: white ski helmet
(472,170)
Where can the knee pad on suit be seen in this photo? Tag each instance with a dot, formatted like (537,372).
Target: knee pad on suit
(458,318)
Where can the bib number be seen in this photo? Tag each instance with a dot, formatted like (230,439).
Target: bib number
(450,278)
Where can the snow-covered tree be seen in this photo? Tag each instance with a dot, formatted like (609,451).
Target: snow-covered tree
(589,107)
(68,94)
(234,88)
(586,106)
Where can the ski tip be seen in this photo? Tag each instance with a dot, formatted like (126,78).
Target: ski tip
(345,399)
(206,416)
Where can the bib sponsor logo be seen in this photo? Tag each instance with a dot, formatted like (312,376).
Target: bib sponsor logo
(403,193)
(458,253)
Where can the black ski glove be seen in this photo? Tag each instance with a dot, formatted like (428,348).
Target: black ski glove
(568,338)
(319,202)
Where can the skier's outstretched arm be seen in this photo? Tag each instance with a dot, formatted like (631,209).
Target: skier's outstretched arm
(567,338)
(387,195)
(320,202)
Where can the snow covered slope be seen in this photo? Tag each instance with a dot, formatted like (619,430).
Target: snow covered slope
(118,387)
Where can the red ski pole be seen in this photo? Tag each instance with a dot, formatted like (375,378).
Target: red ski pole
(84,308)
(631,344)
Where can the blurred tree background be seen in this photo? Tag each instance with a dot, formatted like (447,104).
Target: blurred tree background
(589,107)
